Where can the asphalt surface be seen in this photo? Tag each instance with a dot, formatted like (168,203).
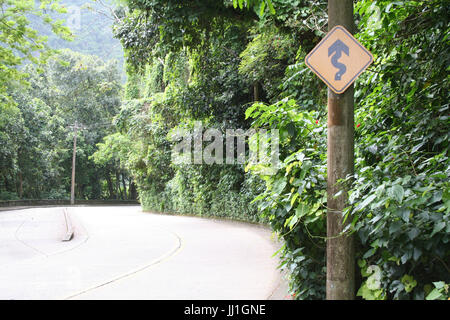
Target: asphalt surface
(123,253)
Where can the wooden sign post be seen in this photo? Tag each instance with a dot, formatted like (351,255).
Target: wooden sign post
(338,60)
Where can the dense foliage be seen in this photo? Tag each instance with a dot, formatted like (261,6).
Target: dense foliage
(171,92)
(239,64)
(36,134)
(44,92)
(21,43)
(209,60)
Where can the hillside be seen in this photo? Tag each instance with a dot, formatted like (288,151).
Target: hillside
(91,23)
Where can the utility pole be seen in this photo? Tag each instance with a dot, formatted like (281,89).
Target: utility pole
(75,128)
(74,156)
(340,283)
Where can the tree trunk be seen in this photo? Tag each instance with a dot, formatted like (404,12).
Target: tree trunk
(119,191)
(256,91)
(124,187)
(133,190)
(20,185)
(6,182)
(110,185)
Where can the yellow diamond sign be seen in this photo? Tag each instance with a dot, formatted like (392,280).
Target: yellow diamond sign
(339,59)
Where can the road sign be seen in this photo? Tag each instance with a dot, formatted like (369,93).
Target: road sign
(339,59)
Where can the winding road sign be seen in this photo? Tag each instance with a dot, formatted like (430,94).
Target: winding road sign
(339,59)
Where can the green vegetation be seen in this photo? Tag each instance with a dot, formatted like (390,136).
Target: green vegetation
(20,42)
(36,137)
(91,24)
(236,64)
(43,92)
(210,61)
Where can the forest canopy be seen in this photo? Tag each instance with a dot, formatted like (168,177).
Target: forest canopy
(45,88)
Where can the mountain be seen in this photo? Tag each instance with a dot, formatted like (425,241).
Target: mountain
(91,22)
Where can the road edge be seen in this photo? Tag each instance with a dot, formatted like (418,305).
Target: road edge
(69,227)
(280,289)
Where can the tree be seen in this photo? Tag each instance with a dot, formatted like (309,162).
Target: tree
(154,28)
(37,136)
(20,42)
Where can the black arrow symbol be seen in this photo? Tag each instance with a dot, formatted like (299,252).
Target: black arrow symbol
(338,47)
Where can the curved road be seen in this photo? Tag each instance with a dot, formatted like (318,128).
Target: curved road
(123,253)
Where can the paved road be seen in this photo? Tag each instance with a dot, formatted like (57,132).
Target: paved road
(123,253)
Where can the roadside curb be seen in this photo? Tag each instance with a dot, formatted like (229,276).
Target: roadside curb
(69,227)
(280,289)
